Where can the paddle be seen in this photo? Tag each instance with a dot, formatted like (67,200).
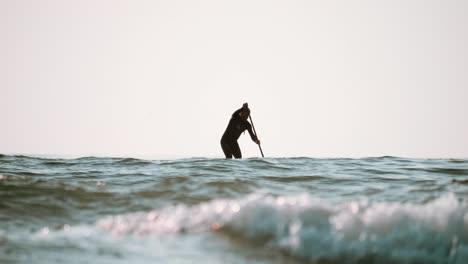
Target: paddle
(255,132)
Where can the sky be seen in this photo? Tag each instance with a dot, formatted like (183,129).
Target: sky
(161,78)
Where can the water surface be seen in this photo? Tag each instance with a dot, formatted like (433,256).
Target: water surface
(200,210)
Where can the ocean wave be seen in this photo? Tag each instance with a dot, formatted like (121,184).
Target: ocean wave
(25,195)
(315,230)
(303,178)
(443,171)
(462,181)
(133,162)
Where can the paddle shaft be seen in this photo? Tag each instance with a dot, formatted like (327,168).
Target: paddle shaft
(255,132)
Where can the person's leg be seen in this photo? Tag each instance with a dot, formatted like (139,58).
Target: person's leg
(236,150)
(227,150)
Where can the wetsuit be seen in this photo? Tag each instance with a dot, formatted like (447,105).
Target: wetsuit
(233,131)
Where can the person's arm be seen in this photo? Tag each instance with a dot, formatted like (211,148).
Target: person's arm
(252,135)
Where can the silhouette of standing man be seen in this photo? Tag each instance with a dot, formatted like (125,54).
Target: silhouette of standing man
(236,126)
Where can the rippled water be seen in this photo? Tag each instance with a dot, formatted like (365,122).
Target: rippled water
(199,210)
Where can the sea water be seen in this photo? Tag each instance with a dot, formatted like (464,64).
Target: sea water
(201,210)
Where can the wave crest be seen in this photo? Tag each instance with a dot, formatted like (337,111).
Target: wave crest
(315,230)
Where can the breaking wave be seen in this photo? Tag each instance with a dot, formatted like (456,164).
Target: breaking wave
(315,230)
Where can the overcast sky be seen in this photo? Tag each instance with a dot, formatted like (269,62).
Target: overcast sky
(161,78)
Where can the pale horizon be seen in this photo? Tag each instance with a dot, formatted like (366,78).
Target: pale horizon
(160,79)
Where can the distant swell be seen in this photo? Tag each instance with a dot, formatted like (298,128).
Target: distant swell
(315,230)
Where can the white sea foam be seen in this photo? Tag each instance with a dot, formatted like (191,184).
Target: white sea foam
(312,229)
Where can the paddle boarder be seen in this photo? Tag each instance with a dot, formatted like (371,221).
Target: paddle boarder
(236,126)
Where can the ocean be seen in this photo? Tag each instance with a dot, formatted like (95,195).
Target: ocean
(255,210)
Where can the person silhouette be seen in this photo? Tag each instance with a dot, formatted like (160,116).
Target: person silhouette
(236,126)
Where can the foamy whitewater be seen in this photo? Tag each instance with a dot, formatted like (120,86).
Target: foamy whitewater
(200,210)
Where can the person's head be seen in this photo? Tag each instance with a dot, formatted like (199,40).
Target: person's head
(245,113)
